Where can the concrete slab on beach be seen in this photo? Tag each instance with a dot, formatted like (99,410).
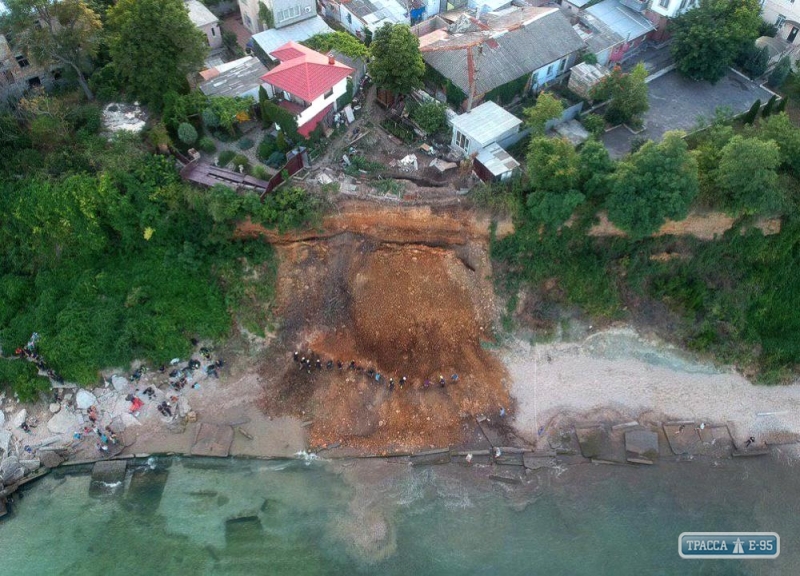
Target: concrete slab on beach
(682,437)
(596,442)
(641,446)
(212,440)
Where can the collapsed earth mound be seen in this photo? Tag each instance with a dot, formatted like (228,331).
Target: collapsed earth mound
(400,310)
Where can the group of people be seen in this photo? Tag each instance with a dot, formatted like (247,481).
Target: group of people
(312,362)
(30,352)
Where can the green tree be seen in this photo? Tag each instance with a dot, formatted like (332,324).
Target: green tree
(747,175)
(231,110)
(753,60)
(783,132)
(187,134)
(554,171)
(706,39)
(594,169)
(58,32)
(396,64)
(342,42)
(430,116)
(154,46)
(768,106)
(780,72)
(627,94)
(547,107)
(656,183)
(707,153)
(752,114)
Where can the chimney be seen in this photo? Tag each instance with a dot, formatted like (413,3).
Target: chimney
(331,61)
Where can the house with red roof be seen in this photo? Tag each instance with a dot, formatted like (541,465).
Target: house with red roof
(306,83)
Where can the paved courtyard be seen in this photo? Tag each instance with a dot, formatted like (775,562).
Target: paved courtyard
(677,103)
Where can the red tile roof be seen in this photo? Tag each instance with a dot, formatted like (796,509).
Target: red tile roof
(304,73)
(309,126)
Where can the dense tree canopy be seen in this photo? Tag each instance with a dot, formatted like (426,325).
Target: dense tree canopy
(58,32)
(627,93)
(707,39)
(747,175)
(397,64)
(656,183)
(153,46)
(547,107)
(342,42)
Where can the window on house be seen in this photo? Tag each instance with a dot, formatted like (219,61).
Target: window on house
(328,94)
(9,76)
(22,62)
(550,70)
(213,31)
(247,20)
(663,3)
(562,65)
(462,141)
(683,4)
(349,18)
(781,19)
(34,82)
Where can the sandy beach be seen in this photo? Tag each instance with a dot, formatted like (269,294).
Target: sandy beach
(618,373)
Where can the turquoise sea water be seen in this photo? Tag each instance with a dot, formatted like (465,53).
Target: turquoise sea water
(189,516)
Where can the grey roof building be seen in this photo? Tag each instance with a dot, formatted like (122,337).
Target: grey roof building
(505,46)
(238,78)
(627,23)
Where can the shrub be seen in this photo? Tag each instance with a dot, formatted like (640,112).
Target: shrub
(781,105)
(266,148)
(780,72)
(431,117)
(225,157)
(276,159)
(206,144)
(590,58)
(210,118)
(245,143)
(187,134)
(281,143)
(753,61)
(22,378)
(159,136)
(240,160)
(594,124)
(261,172)
(768,107)
(752,114)
(88,117)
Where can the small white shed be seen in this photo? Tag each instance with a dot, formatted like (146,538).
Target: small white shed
(484,125)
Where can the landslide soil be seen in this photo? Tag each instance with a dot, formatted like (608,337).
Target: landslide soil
(404,292)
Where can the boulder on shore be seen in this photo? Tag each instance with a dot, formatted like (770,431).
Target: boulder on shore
(85,399)
(64,422)
(50,459)
(20,417)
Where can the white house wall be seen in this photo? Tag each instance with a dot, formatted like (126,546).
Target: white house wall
(213,34)
(350,21)
(321,103)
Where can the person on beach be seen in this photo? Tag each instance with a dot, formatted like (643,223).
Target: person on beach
(339,364)
(352,365)
(391,384)
(296,356)
(319,364)
(329,365)
(403,381)
(441,381)
(454,377)
(427,383)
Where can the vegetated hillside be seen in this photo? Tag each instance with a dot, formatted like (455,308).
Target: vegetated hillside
(732,297)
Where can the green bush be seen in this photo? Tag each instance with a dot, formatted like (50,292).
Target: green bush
(276,159)
(594,124)
(431,116)
(288,207)
(210,118)
(780,73)
(225,157)
(206,144)
(768,106)
(590,58)
(266,148)
(88,117)
(22,378)
(281,143)
(261,172)
(752,114)
(187,134)
(240,160)
(245,143)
